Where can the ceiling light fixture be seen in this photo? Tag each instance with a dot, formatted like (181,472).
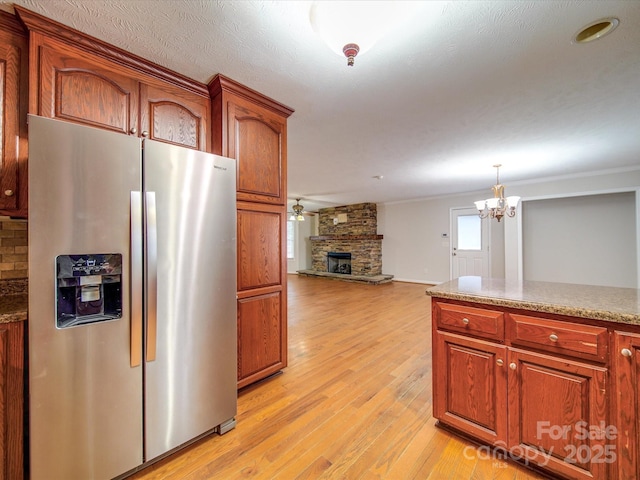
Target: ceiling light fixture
(596,30)
(297,212)
(351,28)
(498,206)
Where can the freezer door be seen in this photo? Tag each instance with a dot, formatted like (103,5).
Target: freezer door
(190,353)
(85,397)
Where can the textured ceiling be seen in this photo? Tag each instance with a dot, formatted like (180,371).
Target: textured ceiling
(458,87)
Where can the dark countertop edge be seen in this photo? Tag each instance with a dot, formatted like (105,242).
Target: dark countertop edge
(14,307)
(615,317)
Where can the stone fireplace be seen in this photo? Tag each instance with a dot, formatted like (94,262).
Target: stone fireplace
(348,232)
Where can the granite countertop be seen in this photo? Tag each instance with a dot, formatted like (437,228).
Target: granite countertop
(612,304)
(14,301)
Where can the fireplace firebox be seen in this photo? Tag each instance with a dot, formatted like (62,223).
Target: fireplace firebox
(339,262)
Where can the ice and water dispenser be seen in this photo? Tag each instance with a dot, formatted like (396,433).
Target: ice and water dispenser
(89,288)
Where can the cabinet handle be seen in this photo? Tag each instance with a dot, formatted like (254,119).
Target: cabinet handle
(553,337)
(133,131)
(499,362)
(513,366)
(465,320)
(8,193)
(145,133)
(626,352)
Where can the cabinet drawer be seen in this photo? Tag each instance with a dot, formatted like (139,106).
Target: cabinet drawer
(584,341)
(473,321)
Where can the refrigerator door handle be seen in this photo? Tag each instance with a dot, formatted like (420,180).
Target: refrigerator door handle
(152,275)
(136,278)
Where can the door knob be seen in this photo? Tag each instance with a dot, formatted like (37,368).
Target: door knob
(145,133)
(8,193)
(499,362)
(465,321)
(133,131)
(626,352)
(513,366)
(553,337)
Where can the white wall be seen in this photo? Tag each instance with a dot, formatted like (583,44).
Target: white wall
(561,243)
(302,250)
(413,249)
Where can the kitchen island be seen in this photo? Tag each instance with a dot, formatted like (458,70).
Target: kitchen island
(545,372)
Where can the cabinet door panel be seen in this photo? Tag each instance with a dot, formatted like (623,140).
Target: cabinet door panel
(172,115)
(554,406)
(627,389)
(11,400)
(256,140)
(471,386)
(259,335)
(260,235)
(78,90)
(13,107)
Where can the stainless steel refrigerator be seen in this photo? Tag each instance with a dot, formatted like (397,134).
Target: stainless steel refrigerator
(132,305)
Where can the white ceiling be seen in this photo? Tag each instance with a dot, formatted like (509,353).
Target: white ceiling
(458,87)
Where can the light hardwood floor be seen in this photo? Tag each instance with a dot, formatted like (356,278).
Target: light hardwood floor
(354,402)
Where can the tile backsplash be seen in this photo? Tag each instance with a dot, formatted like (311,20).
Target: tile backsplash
(13,249)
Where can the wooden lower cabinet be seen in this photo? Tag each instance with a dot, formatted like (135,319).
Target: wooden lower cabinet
(626,362)
(261,338)
(471,386)
(556,410)
(12,383)
(543,409)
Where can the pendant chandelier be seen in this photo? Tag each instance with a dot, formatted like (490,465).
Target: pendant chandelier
(297,212)
(498,206)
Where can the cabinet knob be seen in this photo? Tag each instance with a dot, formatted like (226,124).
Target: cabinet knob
(133,131)
(553,337)
(8,193)
(499,362)
(465,320)
(513,366)
(626,352)
(145,133)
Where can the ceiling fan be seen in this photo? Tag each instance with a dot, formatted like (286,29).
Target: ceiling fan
(298,212)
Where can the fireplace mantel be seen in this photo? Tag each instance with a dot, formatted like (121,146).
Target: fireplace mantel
(346,237)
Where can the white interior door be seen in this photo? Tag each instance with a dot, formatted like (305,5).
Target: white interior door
(469,243)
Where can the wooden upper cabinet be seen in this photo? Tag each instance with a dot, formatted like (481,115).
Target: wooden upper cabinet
(252,129)
(13,117)
(77,78)
(169,114)
(77,88)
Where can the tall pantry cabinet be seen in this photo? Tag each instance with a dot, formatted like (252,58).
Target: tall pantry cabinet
(252,129)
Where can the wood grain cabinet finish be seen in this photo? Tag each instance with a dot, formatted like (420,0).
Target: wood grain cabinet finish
(553,404)
(77,78)
(262,292)
(260,337)
(11,401)
(252,129)
(470,386)
(260,245)
(543,400)
(13,117)
(626,363)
